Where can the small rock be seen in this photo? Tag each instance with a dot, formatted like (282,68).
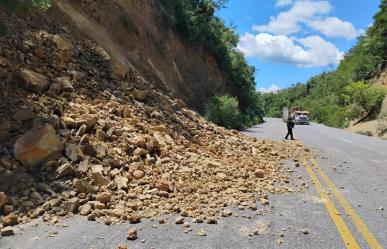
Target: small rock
(82,186)
(179,220)
(104,197)
(122,182)
(264,201)
(9,220)
(83,166)
(85,209)
(64,170)
(71,205)
(134,219)
(132,234)
(259,173)
(163,185)
(7,231)
(221,175)
(202,232)
(305,231)
(212,220)
(226,213)
(91,217)
(65,84)
(122,247)
(138,174)
(88,150)
(108,222)
(37,212)
(99,205)
(199,220)
(99,179)
(140,152)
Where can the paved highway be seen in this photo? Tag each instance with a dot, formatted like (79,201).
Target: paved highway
(345,206)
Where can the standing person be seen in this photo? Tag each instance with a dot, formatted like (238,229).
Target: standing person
(290,125)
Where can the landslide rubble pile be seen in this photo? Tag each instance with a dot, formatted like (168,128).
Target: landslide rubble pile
(81,133)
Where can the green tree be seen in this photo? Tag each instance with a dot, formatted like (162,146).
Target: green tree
(224,111)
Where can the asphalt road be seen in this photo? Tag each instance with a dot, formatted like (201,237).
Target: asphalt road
(354,165)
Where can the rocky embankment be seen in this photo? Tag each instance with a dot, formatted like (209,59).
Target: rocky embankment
(80,133)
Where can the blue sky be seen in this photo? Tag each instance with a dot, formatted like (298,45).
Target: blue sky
(288,41)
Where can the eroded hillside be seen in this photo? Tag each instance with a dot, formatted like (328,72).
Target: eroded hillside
(137,33)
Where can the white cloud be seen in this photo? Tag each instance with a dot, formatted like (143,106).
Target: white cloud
(312,51)
(282,3)
(270,89)
(334,27)
(288,22)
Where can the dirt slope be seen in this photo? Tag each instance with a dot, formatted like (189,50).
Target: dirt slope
(136,32)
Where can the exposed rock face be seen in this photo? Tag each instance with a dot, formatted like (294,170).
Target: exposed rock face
(31,80)
(37,146)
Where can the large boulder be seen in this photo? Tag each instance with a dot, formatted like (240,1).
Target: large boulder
(37,146)
(33,81)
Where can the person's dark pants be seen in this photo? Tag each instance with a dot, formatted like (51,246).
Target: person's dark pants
(290,132)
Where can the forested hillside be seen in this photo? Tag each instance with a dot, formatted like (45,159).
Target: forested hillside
(348,93)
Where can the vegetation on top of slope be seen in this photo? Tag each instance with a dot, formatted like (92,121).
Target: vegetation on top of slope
(22,7)
(196,21)
(335,98)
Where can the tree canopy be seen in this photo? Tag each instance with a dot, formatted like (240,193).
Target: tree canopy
(197,23)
